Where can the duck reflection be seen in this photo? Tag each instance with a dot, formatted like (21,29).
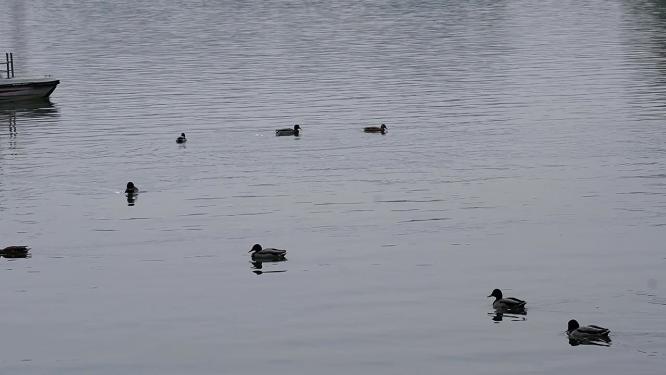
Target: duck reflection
(498,316)
(258,267)
(600,341)
(131,199)
(15,256)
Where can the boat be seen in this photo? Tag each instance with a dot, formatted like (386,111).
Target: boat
(15,89)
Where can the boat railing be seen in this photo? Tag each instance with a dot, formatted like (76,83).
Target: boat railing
(9,64)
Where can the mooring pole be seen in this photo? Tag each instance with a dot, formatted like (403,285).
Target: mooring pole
(11,61)
(7,60)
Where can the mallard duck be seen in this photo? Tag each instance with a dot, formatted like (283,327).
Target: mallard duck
(131,189)
(181,139)
(15,251)
(586,333)
(258,253)
(509,304)
(287,131)
(375,129)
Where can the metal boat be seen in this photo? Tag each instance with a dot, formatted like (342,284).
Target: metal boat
(12,89)
(15,89)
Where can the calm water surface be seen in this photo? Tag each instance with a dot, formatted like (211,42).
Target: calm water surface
(526,151)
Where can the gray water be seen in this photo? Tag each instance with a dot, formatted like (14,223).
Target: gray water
(526,151)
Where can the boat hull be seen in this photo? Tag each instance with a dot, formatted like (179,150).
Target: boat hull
(15,90)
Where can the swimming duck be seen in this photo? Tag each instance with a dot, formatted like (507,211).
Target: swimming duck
(181,139)
(586,333)
(375,129)
(510,304)
(258,253)
(14,251)
(287,131)
(131,189)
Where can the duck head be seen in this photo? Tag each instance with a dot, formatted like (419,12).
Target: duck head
(383,127)
(572,325)
(297,127)
(496,293)
(130,187)
(255,248)
(182,135)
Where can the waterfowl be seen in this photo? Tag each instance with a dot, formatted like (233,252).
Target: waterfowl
(131,189)
(375,129)
(287,131)
(509,304)
(181,139)
(586,333)
(14,251)
(258,253)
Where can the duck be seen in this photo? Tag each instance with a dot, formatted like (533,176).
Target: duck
(287,131)
(509,304)
(268,254)
(586,333)
(375,129)
(181,139)
(15,251)
(131,189)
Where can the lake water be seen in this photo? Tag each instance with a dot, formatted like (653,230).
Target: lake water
(526,151)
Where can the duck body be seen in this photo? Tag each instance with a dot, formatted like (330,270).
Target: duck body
(14,251)
(267,254)
(131,189)
(586,333)
(375,129)
(181,139)
(287,131)
(509,304)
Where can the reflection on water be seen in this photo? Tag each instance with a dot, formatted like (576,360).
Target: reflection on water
(498,316)
(131,198)
(258,266)
(14,113)
(601,341)
(16,256)
(12,129)
(30,108)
